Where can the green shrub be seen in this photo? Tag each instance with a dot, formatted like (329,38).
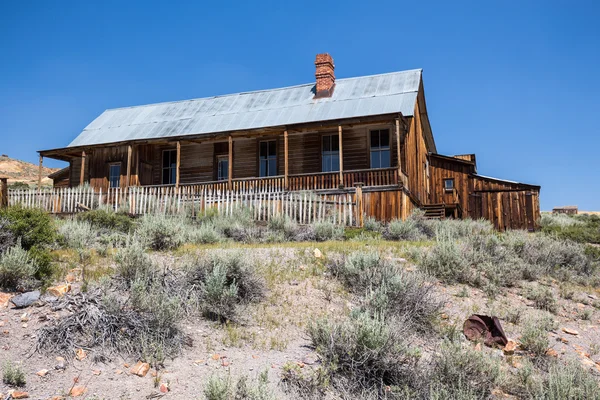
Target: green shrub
(404,230)
(446,261)
(222,388)
(162,232)
(12,374)
(7,238)
(543,298)
(132,261)
(328,231)
(206,233)
(33,226)
(106,218)
(371,224)
(365,350)
(43,260)
(77,234)
(17,269)
(568,381)
(463,373)
(534,336)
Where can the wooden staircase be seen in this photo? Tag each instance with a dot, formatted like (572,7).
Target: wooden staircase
(434,211)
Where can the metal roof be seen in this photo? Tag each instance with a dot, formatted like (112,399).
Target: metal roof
(394,92)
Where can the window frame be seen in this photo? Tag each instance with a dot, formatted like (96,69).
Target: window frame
(172,167)
(110,180)
(330,153)
(268,158)
(379,149)
(444,184)
(221,158)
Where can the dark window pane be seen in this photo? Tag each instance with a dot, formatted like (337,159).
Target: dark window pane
(326,143)
(384,136)
(335,143)
(374,139)
(326,163)
(263,149)
(374,159)
(173,176)
(272,167)
(335,162)
(165,176)
(385,159)
(272,148)
(166,160)
(263,168)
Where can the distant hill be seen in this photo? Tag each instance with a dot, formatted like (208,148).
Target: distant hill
(22,171)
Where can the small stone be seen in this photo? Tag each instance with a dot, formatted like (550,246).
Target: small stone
(25,299)
(59,291)
(300,364)
(570,331)
(254,356)
(445,316)
(586,362)
(564,340)
(140,369)
(70,278)
(126,365)
(478,347)
(164,388)
(77,391)
(96,372)
(318,253)
(118,372)
(4,299)
(225,363)
(199,362)
(302,268)
(24,317)
(42,372)
(19,395)
(510,347)
(81,354)
(216,357)
(24,325)
(61,363)
(551,353)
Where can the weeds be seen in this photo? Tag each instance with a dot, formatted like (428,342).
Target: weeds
(219,388)
(33,226)
(534,336)
(17,269)
(543,298)
(106,218)
(12,374)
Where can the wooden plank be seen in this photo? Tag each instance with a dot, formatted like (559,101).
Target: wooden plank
(230,162)
(128,179)
(82,173)
(178,164)
(341,155)
(286,169)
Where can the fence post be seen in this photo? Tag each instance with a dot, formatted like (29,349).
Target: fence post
(359,205)
(3,192)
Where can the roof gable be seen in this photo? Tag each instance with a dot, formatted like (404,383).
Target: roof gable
(394,92)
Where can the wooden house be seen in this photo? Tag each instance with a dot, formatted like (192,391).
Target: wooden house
(332,135)
(570,210)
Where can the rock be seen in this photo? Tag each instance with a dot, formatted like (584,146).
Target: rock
(586,362)
(564,340)
(96,372)
(140,369)
(70,278)
(215,357)
(570,331)
(510,347)
(59,290)
(61,363)
(42,372)
(81,354)
(318,253)
(164,388)
(4,299)
(551,353)
(19,395)
(225,363)
(118,372)
(25,299)
(24,317)
(77,391)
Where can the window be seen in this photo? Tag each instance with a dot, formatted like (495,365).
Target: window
(380,148)
(169,167)
(222,168)
(267,158)
(331,153)
(114,175)
(449,184)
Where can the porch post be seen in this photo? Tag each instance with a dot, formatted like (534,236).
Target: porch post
(129,151)
(230,163)
(178,164)
(40,173)
(341,156)
(285,158)
(82,174)
(3,192)
(399,161)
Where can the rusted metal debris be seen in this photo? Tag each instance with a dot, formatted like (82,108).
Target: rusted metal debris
(478,327)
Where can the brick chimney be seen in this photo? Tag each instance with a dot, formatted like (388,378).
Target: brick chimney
(324,74)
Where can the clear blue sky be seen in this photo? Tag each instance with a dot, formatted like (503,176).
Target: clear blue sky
(517,83)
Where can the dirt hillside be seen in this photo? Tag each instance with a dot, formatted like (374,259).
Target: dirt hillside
(22,171)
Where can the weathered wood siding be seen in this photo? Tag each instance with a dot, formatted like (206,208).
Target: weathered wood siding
(415,153)
(441,168)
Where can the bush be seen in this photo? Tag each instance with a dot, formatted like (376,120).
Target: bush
(7,238)
(17,269)
(204,234)
(78,235)
(161,232)
(463,373)
(225,281)
(543,298)
(389,290)
(404,230)
(534,336)
(446,261)
(328,231)
(33,226)
(219,388)
(13,374)
(371,224)
(364,350)
(106,218)
(132,261)
(568,381)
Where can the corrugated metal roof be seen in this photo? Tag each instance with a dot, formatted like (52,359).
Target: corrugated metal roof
(394,92)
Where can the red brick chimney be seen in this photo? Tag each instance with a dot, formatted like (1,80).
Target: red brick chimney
(324,75)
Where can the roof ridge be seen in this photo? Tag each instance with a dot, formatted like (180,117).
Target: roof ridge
(261,90)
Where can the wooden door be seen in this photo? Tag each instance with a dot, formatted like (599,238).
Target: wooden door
(145,174)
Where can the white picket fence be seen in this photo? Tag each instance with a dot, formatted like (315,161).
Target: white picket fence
(303,207)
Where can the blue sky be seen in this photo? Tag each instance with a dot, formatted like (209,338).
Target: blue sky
(517,83)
